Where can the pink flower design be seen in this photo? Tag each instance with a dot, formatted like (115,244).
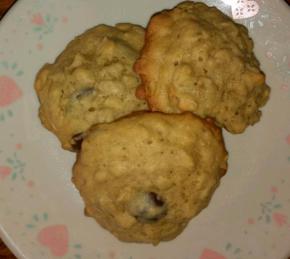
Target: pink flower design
(280,219)
(39,46)
(112,254)
(288,139)
(9,91)
(55,238)
(274,189)
(251,221)
(210,254)
(30,184)
(64,19)
(37,19)
(4,172)
(269,54)
(18,146)
(285,88)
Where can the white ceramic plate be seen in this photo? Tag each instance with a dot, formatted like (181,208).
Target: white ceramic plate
(41,213)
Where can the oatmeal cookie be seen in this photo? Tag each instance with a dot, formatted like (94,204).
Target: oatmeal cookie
(197,59)
(143,177)
(92,81)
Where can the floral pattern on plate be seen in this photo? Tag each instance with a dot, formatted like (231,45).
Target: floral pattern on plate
(41,213)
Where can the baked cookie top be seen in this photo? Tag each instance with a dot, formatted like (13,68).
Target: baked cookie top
(92,81)
(197,59)
(143,177)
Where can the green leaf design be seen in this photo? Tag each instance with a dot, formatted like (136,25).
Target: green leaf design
(20,163)
(45,216)
(237,251)
(277,206)
(37,29)
(47,18)
(14,176)
(20,73)
(13,66)
(10,113)
(268,219)
(228,246)
(78,246)
(35,217)
(10,161)
(30,226)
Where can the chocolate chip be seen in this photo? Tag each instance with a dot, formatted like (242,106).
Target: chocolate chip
(147,207)
(77,140)
(156,199)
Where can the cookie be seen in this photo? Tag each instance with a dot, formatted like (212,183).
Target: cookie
(144,177)
(92,81)
(197,59)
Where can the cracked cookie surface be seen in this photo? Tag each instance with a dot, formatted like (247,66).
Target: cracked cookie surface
(143,177)
(92,81)
(197,59)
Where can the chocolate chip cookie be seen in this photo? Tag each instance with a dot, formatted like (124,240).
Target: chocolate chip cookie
(197,59)
(143,177)
(92,81)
